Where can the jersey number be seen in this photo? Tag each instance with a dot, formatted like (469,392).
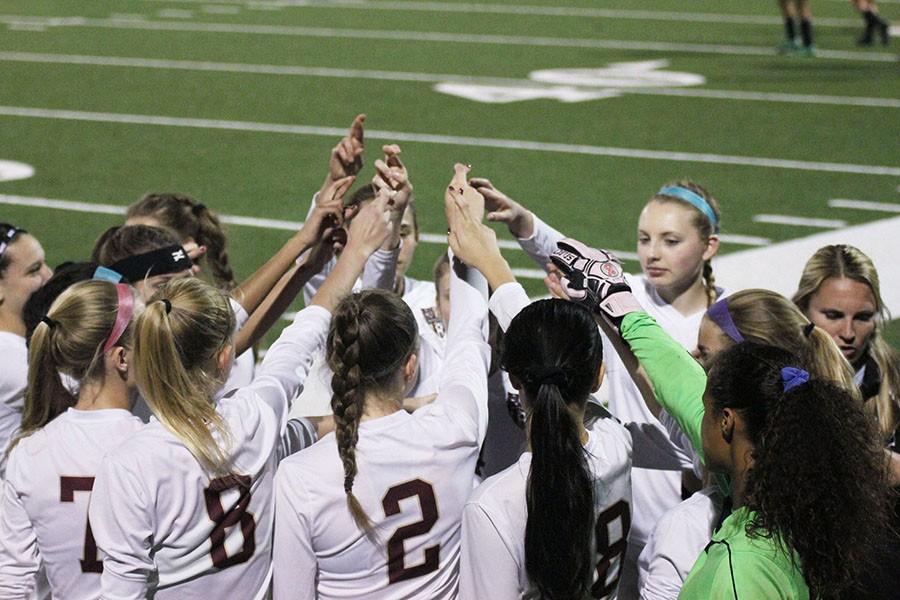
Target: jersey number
(397,570)
(67,488)
(610,551)
(237,515)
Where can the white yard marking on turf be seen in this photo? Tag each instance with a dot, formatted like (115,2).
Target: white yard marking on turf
(215,9)
(11,170)
(27,26)
(800,221)
(778,267)
(133,16)
(452,140)
(175,13)
(262,223)
(454,38)
(413,77)
(746,240)
(864,205)
(543,11)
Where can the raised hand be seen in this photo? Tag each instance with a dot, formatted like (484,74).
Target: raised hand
(330,200)
(503,209)
(471,197)
(347,157)
(595,279)
(371,226)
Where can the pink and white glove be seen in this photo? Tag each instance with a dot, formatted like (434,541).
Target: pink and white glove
(595,279)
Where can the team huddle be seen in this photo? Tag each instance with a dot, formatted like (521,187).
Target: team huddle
(643,436)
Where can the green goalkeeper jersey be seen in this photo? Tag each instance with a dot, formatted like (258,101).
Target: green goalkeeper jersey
(733,565)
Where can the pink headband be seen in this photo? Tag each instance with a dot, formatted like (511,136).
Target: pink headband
(124,311)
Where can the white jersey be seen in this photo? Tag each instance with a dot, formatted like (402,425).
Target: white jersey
(657,489)
(679,538)
(13,380)
(494,519)
(166,528)
(415,472)
(44,511)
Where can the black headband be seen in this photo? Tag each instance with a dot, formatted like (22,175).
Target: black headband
(171,259)
(7,238)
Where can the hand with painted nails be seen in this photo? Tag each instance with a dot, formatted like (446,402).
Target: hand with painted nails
(503,209)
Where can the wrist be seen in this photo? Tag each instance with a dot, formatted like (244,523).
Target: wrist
(522,227)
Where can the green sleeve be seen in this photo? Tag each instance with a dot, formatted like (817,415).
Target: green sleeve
(678,380)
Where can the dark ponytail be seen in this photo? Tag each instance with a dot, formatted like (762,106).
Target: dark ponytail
(817,482)
(553,348)
(372,335)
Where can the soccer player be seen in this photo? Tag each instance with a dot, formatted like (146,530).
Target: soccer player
(374,510)
(87,335)
(23,270)
(513,544)
(791,10)
(874,23)
(677,238)
(778,436)
(184,507)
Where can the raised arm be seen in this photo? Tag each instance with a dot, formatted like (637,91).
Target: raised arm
(289,359)
(463,380)
(595,279)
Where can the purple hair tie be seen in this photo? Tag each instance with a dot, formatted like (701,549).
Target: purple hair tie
(719,314)
(793,377)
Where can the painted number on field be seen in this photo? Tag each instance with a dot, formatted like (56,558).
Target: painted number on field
(12,171)
(576,85)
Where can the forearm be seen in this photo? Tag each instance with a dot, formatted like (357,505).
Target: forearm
(270,310)
(678,380)
(253,290)
(341,279)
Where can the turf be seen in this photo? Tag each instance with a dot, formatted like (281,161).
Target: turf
(274,174)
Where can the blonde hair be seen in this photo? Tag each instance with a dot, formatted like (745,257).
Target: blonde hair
(843,261)
(70,341)
(178,338)
(768,318)
(701,222)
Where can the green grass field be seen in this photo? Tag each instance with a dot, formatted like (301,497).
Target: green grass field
(239,102)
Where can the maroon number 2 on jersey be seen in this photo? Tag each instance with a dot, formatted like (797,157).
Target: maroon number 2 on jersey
(397,569)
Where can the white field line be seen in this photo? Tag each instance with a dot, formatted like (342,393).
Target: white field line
(889,207)
(746,240)
(434,36)
(175,13)
(800,221)
(405,76)
(399,136)
(540,11)
(243,221)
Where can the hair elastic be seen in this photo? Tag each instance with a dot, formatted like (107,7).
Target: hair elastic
(124,312)
(551,376)
(167,304)
(793,377)
(808,329)
(6,238)
(50,322)
(719,314)
(692,198)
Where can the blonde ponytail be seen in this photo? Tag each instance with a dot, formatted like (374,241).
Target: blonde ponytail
(178,339)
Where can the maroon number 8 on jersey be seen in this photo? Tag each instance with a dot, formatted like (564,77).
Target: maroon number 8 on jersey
(238,515)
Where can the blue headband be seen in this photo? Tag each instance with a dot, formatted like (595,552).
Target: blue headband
(719,314)
(694,199)
(793,377)
(106,274)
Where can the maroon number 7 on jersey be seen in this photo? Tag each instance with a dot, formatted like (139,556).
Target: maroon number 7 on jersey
(67,488)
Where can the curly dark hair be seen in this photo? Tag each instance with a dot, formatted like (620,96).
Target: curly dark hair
(818,479)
